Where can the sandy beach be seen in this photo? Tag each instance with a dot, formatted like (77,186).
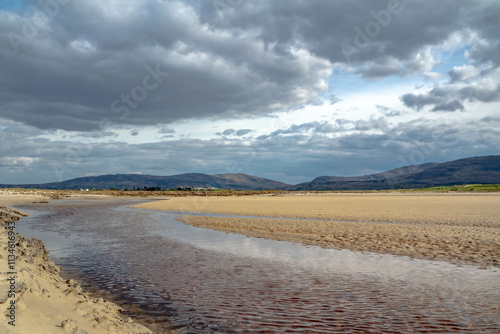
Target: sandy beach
(43,301)
(460,228)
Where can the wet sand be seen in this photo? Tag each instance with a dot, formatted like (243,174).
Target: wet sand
(460,228)
(43,302)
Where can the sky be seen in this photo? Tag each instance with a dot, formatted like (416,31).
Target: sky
(281,89)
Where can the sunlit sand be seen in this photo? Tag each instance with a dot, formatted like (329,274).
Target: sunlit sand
(461,228)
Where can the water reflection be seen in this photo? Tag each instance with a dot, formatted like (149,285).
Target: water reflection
(193,280)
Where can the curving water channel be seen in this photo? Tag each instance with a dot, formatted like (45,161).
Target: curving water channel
(191,280)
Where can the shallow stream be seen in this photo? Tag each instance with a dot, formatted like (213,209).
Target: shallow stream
(171,276)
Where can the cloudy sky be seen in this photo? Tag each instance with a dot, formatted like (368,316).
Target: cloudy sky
(283,89)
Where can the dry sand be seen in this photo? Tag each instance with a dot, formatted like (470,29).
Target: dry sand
(44,302)
(461,228)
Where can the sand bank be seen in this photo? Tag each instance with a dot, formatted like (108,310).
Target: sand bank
(461,228)
(43,301)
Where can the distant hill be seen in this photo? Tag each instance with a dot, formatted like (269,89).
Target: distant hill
(484,170)
(365,182)
(477,170)
(189,180)
(248,182)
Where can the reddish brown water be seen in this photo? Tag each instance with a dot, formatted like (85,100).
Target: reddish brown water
(173,276)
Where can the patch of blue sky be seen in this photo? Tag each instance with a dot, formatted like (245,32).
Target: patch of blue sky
(450,59)
(343,83)
(11,5)
(347,83)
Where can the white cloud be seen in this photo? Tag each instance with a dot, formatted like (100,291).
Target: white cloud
(12,162)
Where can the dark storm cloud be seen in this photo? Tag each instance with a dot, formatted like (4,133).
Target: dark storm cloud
(450,106)
(228,132)
(450,97)
(393,113)
(144,63)
(388,111)
(372,124)
(156,62)
(418,101)
(493,119)
(242,132)
(321,26)
(380,69)
(166,130)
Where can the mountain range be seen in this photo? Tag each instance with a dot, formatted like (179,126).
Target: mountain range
(476,170)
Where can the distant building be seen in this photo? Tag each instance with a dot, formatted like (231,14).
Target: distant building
(192,188)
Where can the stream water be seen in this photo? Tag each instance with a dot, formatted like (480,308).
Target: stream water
(170,276)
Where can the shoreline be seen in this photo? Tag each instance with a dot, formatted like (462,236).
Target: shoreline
(462,229)
(37,299)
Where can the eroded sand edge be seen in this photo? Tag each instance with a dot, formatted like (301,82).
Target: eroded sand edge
(44,302)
